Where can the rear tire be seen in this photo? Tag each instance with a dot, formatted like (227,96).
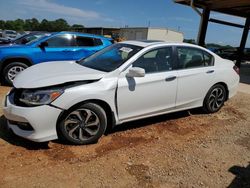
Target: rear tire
(83,125)
(214,99)
(12,70)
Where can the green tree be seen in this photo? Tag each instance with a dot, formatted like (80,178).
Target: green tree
(35,24)
(2,24)
(27,25)
(18,25)
(44,25)
(77,27)
(61,25)
(9,25)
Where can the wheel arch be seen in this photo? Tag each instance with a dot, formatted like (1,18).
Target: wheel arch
(205,107)
(225,86)
(5,62)
(106,107)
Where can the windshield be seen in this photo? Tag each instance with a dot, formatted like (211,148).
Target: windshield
(110,58)
(28,38)
(39,38)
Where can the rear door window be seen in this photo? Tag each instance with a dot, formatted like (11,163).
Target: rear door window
(98,42)
(85,41)
(190,57)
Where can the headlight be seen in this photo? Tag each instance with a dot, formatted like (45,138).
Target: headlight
(39,97)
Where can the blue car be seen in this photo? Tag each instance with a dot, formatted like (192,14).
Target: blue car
(52,47)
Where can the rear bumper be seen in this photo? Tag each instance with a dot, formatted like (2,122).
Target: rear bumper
(232,91)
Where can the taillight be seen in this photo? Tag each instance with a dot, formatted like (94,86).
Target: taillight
(236,69)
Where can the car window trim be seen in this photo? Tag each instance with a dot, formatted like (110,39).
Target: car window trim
(151,49)
(193,47)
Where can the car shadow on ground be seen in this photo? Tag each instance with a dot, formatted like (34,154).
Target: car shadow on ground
(242,177)
(153,120)
(7,134)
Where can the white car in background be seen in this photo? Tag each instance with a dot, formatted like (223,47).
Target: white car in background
(127,81)
(10,34)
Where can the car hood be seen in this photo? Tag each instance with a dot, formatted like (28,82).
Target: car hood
(54,73)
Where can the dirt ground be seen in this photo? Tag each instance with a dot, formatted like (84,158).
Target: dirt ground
(185,149)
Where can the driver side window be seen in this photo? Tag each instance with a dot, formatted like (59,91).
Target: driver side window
(157,60)
(65,40)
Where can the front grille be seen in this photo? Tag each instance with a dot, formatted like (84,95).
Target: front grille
(22,125)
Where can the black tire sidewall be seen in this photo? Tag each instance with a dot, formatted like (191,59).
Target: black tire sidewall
(8,67)
(103,121)
(206,106)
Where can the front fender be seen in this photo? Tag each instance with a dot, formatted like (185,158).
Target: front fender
(103,90)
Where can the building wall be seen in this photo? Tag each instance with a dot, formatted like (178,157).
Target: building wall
(165,35)
(151,34)
(134,33)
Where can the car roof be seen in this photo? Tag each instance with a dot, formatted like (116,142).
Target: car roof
(49,35)
(83,34)
(147,43)
(141,43)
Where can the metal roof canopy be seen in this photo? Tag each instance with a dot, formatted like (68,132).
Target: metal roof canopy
(232,7)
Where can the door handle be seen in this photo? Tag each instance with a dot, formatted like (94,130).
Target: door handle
(210,71)
(170,78)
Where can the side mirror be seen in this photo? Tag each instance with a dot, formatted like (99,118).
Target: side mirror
(44,44)
(136,72)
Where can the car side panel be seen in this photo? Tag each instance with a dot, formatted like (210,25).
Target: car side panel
(145,95)
(104,90)
(81,52)
(53,54)
(193,85)
(226,74)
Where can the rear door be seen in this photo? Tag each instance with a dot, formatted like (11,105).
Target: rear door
(195,76)
(86,46)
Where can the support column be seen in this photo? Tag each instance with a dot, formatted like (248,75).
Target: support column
(203,27)
(243,42)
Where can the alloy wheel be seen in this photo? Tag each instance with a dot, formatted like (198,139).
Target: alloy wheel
(82,124)
(216,98)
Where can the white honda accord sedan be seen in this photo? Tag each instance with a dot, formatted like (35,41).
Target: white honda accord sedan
(78,101)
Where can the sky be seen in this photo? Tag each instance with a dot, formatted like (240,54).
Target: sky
(117,13)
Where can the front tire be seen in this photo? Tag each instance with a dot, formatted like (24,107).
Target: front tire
(83,125)
(12,70)
(214,99)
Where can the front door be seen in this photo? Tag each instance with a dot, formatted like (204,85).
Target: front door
(152,94)
(60,47)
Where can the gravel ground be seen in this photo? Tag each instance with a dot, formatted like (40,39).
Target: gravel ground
(185,149)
